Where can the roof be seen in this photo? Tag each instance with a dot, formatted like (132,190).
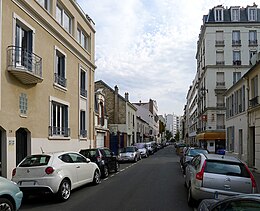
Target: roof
(222,158)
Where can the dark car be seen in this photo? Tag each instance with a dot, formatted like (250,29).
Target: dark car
(104,158)
(239,202)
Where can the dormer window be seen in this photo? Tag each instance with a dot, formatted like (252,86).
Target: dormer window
(252,14)
(235,14)
(219,16)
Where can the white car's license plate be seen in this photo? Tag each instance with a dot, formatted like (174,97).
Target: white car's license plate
(26,183)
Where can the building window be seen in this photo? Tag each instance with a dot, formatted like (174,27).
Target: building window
(236,58)
(60,72)
(252,37)
(252,14)
(230,139)
(83,131)
(23,45)
(220,58)
(59,120)
(219,38)
(101,114)
(45,4)
(219,14)
(23,104)
(254,92)
(63,18)
(83,81)
(220,79)
(84,39)
(236,76)
(236,38)
(235,14)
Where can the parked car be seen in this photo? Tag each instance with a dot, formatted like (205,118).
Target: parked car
(104,158)
(179,148)
(130,153)
(10,195)
(56,173)
(207,174)
(142,148)
(151,148)
(190,153)
(239,202)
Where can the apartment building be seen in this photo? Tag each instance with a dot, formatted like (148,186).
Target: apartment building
(102,133)
(47,79)
(227,40)
(121,116)
(148,111)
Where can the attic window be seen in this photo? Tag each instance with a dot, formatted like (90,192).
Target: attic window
(252,14)
(219,16)
(235,14)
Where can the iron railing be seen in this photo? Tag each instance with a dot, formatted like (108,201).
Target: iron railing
(59,131)
(22,59)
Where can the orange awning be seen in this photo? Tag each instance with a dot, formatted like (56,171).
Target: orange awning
(211,136)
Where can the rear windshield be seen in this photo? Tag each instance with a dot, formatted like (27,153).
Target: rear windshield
(226,168)
(193,152)
(35,160)
(140,146)
(88,153)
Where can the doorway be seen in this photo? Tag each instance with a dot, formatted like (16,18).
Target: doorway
(21,145)
(251,147)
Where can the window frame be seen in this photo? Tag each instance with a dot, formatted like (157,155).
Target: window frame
(55,101)
(58,53)
(252,14)
(61,19)
(219,14)
(235,14)
(46,4)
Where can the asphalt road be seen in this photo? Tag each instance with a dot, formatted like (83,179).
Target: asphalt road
(152,184)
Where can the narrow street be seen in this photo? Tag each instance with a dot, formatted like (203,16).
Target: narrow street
(152,184)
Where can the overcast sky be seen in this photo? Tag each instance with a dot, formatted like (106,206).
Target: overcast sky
(147,47)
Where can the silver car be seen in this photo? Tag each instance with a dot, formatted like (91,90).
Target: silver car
(130,153)
(217,176)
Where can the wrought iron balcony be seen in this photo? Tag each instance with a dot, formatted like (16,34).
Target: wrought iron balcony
(221,127)
(83,92)
(24,65)
(254,102)
(252,42)
(220,62)
(83,133)
(220,105)
(60,80)
(237,62)
(220,43)
(59,131)
(236,42)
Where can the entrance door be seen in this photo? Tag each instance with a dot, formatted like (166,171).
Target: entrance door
(251,150)
(21,145)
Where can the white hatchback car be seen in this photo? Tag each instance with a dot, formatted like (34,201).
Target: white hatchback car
(56,173)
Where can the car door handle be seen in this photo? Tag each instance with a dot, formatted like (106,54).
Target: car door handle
(78,167)
(227,186)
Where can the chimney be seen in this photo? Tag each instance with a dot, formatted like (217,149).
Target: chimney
(127,96)
(116,111)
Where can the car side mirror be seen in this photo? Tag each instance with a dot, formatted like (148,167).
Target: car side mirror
(87,160)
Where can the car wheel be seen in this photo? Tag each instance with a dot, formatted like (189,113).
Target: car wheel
(64,190)
(105,172)
(117,167)
(135,160)
(6,204)
(190,199)
(96,178)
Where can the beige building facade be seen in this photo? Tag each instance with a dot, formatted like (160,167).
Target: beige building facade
(46,79)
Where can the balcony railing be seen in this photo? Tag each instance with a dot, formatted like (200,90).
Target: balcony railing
(253,102)
(220,62)
(220,105)
(222,83)
(83,133)
(236,42)
(83,92)
(219,43)
(220,127)
(252,42)
(237,62)
(60,80)
(24,65)
(59,131)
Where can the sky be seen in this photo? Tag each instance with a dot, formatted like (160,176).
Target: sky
(148,47)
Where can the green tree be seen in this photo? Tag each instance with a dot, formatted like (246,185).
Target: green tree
(177,136)
(168,135)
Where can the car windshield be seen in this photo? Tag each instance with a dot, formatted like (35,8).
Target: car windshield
(128,149)
(194,152)
(35,160)
(88,153)
(226,168)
